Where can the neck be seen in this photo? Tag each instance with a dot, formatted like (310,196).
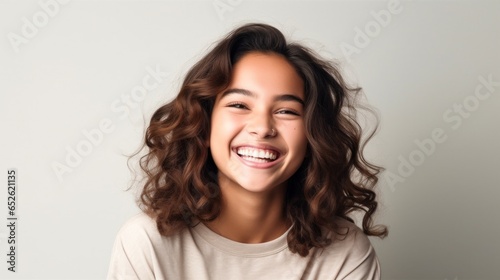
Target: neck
(249,217)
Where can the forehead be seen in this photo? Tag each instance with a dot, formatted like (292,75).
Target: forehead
(267,73)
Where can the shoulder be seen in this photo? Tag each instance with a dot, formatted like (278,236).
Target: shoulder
(134,251)
(138,234)
(352,249)
(350,236)
(137,225)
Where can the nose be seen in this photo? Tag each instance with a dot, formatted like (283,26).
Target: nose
(261,126)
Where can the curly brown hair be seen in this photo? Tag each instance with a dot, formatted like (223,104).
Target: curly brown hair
(334,179)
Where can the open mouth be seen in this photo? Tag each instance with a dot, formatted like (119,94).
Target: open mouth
(257,155)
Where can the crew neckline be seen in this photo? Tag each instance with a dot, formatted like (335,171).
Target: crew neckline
(249,250)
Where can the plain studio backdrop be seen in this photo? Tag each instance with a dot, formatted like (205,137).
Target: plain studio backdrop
(79,80)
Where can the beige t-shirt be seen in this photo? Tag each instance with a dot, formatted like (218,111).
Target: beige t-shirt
(140,252)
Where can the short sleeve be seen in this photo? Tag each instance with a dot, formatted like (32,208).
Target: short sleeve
(132,256)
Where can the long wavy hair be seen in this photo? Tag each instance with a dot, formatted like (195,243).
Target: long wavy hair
(181,188)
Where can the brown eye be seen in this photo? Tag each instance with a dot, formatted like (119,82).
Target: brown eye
(288,112)
(237,105)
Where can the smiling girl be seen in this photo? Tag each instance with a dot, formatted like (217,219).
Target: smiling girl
(252,172)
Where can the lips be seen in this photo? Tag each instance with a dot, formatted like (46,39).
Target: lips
(257,154)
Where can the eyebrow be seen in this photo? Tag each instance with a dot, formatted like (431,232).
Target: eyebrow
(282,97)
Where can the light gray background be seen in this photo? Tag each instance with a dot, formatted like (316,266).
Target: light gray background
(443,217)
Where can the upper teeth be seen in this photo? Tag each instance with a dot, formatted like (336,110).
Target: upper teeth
(257,153)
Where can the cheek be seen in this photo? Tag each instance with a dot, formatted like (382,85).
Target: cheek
(297,138)
(223,127)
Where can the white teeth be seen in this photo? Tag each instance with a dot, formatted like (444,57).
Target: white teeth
(257,153)
(262,154)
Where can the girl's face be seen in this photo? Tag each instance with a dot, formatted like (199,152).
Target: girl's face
(257,136)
